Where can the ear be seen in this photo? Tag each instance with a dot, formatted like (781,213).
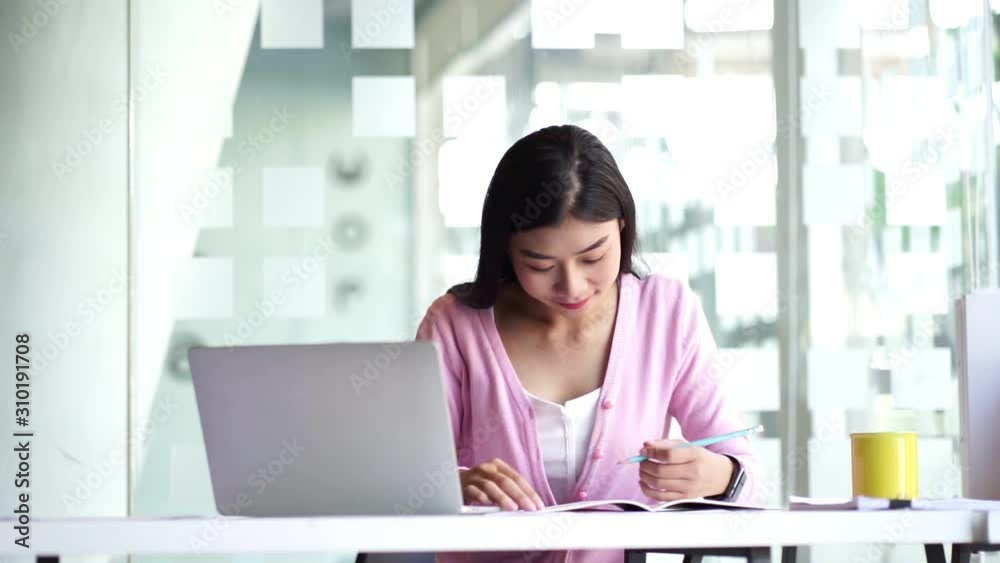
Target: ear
(621,224)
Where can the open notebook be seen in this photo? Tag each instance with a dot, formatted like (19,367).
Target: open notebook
(636,506)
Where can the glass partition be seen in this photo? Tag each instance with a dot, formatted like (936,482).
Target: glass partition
(313,171)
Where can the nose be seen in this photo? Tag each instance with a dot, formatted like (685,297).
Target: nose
(571,283)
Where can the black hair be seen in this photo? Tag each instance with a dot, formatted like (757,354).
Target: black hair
(543,178)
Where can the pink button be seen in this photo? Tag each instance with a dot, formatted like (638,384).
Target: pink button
(582,495)
(608,404)
(598,453)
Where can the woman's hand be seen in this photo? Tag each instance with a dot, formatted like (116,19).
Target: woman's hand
(496,483)
(677,473)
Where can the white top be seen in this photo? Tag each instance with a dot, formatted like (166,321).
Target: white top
(564,432)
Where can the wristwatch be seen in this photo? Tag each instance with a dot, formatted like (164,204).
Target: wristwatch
(735,485)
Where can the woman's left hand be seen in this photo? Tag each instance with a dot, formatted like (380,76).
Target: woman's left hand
(676,473)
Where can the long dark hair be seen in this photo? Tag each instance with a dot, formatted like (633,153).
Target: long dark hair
(541,179)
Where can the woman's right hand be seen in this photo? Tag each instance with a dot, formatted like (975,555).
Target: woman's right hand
(496,483)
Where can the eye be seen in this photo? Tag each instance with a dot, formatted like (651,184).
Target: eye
(595,260)
(540,269)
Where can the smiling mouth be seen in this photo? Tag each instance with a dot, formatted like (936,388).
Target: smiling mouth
(574,306)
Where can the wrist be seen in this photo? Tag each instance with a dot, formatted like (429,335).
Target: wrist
(733,466)
(730,482)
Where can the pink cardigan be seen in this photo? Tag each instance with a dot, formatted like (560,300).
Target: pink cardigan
(663,363)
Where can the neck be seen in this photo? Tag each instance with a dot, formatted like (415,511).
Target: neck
(598,313)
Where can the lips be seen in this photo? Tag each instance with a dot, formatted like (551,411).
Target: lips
(574,306)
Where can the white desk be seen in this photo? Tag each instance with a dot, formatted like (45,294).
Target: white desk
(514,532)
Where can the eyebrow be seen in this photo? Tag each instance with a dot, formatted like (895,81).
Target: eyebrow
(536,255)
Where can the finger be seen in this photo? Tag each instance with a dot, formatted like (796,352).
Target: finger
(475,495)
(672,454)
(668,470)
(524,485)
(664,443)
(679,485)
(661,495)
(514,491)
(497,495)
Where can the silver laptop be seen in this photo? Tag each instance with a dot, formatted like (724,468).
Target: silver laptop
(327,429)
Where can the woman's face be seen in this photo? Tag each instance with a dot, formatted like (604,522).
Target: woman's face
(567,266)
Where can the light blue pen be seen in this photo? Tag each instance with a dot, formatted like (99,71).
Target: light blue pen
(703,442)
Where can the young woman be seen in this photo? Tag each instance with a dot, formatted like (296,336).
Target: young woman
(561,360)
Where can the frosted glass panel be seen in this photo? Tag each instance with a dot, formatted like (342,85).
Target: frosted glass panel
(833,107)
(833,195)
(653,103)
(465,172)
(745,195)
(918,282)
(751,377)
(921,379)
(669,264)
(556,24)
(897,99)
(838,379)
(212,206)
(828,25)
(830,468)
(292,197)
(475,106)
(716,16)
(746,285)
(291,24)
(940,472)
(458,269)
(204,288)
(884,15)
(382,24)
(300,282)
(916,196)
(769,453)
(384,106)
(661,25)
(713,122)
(954,13)
(184,459)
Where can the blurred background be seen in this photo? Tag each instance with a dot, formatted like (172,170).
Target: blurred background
(227,172)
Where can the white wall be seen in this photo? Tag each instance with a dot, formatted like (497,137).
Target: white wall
(64,247)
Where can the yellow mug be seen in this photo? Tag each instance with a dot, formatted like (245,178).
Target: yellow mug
(884,464)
